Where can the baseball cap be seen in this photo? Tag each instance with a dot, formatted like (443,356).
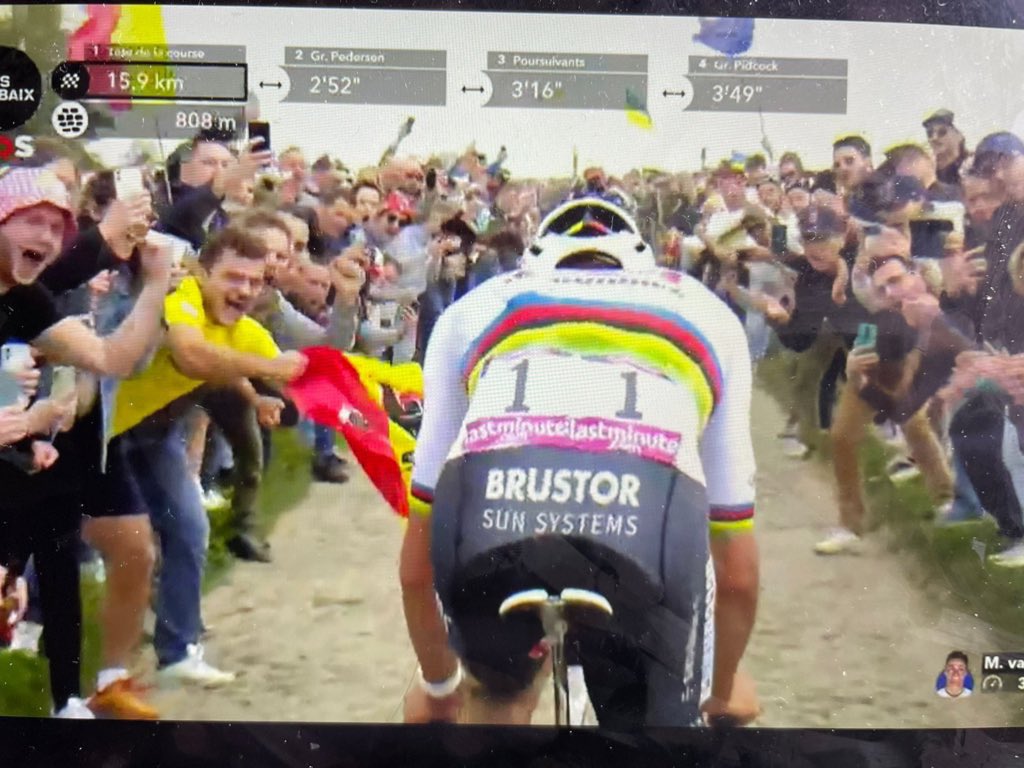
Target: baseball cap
(943,115)
(900,190)
(22,188)
(995,146)
(817,222)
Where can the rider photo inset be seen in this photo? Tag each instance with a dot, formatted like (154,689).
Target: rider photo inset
(955,681)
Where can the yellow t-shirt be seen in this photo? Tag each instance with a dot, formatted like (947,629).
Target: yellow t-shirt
(161,383)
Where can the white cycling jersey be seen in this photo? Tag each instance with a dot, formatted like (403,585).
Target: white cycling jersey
(648,363)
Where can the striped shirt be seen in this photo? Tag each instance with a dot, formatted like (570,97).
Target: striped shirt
(650,364)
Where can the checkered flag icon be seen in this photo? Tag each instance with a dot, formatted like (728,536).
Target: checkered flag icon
(69,80)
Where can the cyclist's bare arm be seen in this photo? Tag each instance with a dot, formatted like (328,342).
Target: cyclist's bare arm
(728,459)
(445,408)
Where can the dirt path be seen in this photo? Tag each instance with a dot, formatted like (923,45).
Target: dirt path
(840,642)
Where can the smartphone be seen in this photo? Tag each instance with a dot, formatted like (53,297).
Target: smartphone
(10,390)
(780,239)
(129,183)
(867,336)
(260,129)
(14,356)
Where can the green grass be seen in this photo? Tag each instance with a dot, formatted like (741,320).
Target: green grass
(943,561)
(24,679)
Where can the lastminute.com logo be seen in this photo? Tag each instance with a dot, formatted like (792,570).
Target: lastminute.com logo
(16,147)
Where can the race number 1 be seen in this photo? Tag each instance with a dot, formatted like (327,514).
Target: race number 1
(628,411)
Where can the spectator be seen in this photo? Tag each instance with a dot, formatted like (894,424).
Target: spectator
(291,164)
(449,253)
(791,171)
(390,315)
(821,323)
(948,145)
(982,198)
(209,339)
(291,329)
(367,197)
(35,217)
(913,160)
(756,169)
(893,372)
(330,225)
(324,176)
(205,179)
(799,199)
(851,162)
(1000,157)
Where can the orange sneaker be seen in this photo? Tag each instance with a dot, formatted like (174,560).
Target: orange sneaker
(121,701)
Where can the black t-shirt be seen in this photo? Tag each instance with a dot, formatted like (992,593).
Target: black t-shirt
(26,311)
(815,307)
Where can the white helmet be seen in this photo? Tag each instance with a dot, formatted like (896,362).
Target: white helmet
(589,226)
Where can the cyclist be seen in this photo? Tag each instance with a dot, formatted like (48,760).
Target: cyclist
(586,424)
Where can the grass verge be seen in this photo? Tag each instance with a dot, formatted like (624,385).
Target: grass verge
(24,679)
(949,561)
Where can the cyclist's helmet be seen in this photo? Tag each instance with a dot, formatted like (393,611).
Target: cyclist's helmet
(589,233)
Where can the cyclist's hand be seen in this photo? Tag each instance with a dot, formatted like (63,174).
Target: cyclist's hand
(422,708)
(742,706)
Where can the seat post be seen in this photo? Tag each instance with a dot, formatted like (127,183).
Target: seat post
(551,609)
(552,616)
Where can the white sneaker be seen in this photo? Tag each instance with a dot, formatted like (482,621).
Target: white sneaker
(1009,558)
(193,669)
(26,637)
(792,448)
(75,709)
(902,470)
(838,540)
(214,499)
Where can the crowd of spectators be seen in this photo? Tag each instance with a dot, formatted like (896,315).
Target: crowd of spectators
(148,338)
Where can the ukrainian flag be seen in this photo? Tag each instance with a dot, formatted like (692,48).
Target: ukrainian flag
(636,110)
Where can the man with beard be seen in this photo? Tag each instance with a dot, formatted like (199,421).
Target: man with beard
(210,341)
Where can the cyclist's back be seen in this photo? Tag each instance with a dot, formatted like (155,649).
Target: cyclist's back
(581,428)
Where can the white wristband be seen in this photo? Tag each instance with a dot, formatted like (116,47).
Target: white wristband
(441,690)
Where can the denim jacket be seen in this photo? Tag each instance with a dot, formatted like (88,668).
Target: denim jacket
(110,311)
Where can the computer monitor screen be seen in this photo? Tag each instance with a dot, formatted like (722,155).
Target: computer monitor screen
(382,366)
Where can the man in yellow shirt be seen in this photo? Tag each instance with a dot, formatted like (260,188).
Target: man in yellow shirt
(210,342)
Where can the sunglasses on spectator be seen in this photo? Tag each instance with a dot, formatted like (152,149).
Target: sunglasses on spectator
(938,132)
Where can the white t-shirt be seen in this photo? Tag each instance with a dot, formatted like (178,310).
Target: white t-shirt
(944,694)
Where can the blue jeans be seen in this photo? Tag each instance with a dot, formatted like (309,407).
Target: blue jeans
(159,465)
(966,504)
(759,335)
(323,441)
